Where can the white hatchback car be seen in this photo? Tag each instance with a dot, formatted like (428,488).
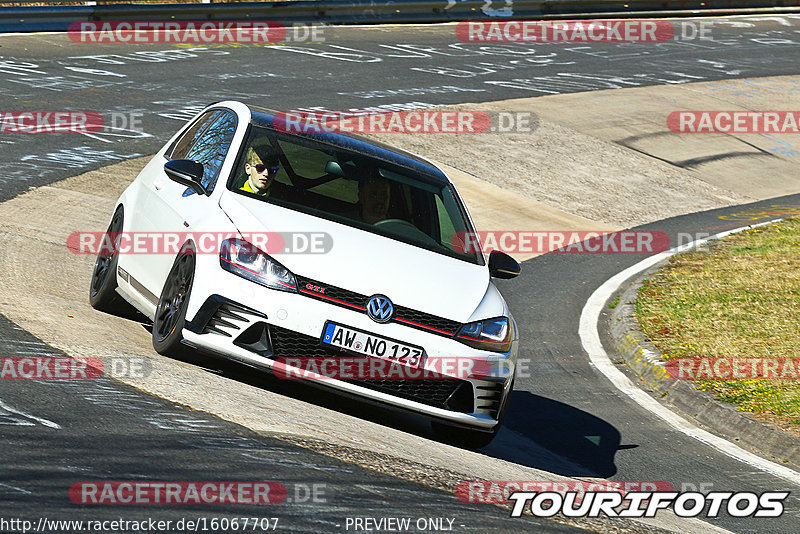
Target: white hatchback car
(387,281)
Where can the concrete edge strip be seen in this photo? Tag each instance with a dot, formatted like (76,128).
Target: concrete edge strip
(644,359)
(590,340)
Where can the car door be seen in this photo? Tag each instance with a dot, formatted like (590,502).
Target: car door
(172,207)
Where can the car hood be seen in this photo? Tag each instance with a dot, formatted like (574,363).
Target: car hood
(368,263)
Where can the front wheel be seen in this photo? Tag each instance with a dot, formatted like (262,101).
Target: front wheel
(102,288)
(170,316)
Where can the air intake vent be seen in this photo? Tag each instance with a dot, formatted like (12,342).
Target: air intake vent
(222,317)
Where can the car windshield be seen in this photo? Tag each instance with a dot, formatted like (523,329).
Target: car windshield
(353,189)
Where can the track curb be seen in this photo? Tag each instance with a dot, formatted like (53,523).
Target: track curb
(647,362)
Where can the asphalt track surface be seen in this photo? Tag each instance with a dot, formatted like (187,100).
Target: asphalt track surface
(573,401)
(354,68)
(113,432)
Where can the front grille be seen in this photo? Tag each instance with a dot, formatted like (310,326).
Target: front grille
(291,344)
(331,292)
(356,301)
(431,391)
(426,319)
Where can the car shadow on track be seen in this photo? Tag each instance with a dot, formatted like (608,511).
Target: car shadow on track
(306,392)
(580,444)
(556,437)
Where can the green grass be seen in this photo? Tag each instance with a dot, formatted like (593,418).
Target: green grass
(739,299)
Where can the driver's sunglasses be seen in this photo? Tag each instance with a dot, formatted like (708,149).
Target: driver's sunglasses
(260,167)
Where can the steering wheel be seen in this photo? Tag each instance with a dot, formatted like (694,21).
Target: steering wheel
(407,229)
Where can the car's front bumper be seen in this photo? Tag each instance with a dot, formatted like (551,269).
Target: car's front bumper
(260,327)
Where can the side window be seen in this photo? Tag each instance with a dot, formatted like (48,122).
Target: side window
(207,142)
(306,162)
(181,146)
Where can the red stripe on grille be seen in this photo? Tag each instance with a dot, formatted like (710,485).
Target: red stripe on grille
(423,326)
(331,298)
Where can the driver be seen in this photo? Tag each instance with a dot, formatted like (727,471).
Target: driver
(374,196)
(261,168)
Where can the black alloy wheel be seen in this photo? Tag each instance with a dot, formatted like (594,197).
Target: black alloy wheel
(170,314)
(103,285)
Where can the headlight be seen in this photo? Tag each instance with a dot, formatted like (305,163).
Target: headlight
(247,261)
(490,334)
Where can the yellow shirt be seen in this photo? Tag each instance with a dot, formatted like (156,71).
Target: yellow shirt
(246,187)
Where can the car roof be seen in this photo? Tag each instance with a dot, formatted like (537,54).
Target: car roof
(355,143)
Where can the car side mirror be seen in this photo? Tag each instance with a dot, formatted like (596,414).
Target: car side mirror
(186,172)
(501,265)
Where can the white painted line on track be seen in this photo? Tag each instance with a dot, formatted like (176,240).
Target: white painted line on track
(44,422)
(590,339)
(14,488)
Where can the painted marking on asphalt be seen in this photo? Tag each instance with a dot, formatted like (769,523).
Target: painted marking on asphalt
(15,489)
(45,422)
(590,339)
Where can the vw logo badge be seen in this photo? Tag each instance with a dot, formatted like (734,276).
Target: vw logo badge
(380,309)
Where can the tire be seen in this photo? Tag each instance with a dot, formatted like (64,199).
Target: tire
(471,439)
(103,285)
(170,316)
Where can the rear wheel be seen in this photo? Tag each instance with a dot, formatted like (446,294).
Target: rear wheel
(102,288)
(170,316)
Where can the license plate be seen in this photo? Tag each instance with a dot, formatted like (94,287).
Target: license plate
(361,342)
